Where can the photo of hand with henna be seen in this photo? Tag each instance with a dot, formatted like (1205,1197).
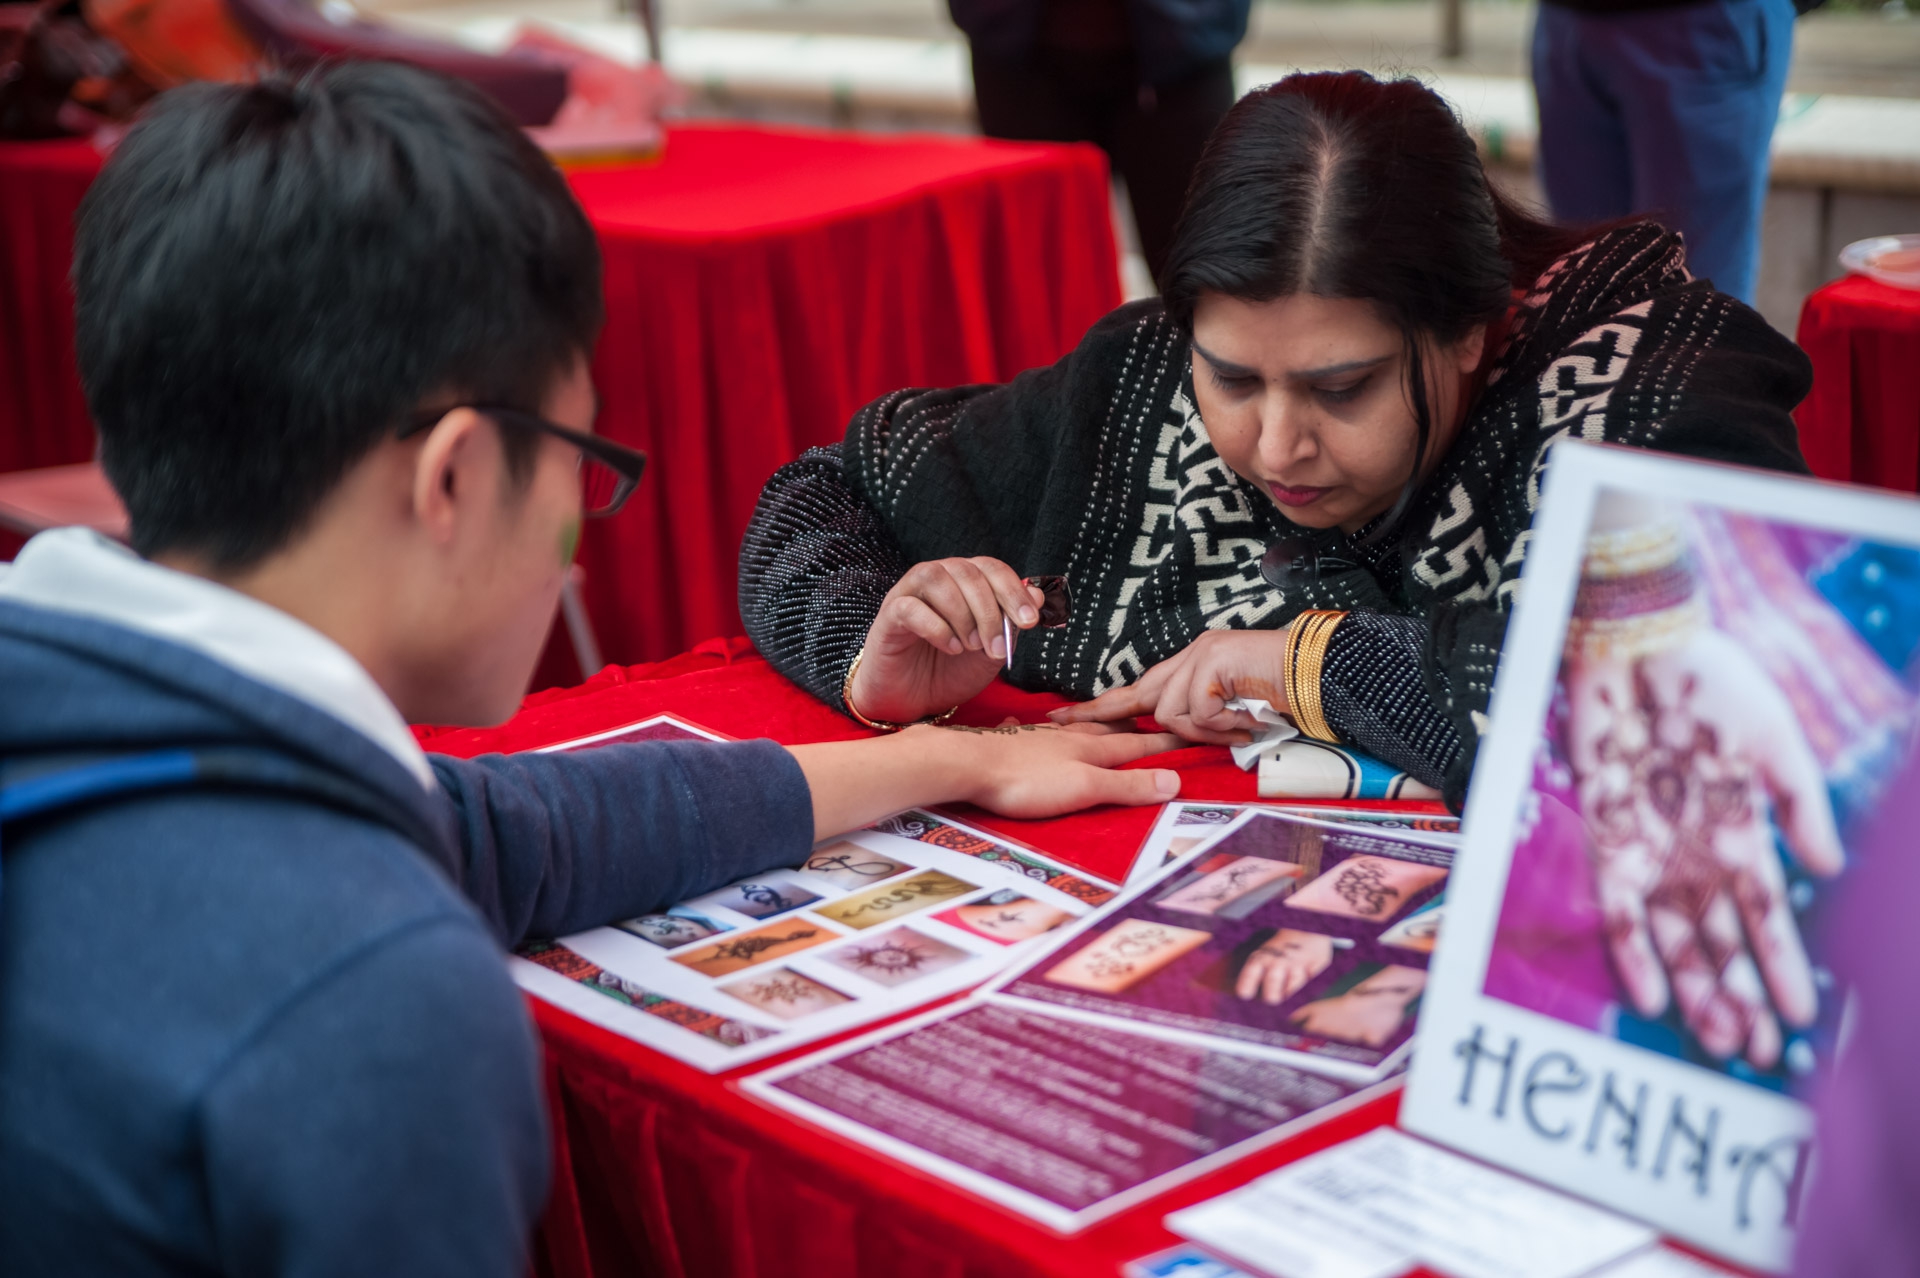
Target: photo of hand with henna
(1282,966)
(1734,696)
(1685,760)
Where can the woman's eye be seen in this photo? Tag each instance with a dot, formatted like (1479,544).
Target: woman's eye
(1236,385)
(1342,394)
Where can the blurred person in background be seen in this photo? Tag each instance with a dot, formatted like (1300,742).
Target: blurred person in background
(1665,108)
(1145,80)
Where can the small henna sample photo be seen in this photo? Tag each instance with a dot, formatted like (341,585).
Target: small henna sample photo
(750,949)
(896,899)
(1127,954)
(1004,917)
(761,898)
(1281,966)
(1241,881)
(1367,887)
(897,957)
(1368,1006)
(672,929)
(786,994)
(848,866)
(1419,931)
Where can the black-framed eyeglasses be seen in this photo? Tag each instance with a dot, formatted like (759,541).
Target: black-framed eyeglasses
(609,472)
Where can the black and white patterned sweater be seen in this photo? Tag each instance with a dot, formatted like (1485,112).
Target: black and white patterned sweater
(1099,467)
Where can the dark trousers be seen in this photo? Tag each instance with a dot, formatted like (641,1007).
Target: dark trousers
(1667,112)
(1152,135)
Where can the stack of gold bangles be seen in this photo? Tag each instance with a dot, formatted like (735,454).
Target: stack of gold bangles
(1305,653)
(879,725)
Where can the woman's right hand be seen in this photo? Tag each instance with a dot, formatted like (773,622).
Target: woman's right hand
(937,640)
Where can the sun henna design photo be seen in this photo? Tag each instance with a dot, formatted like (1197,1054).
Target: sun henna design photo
(897,957)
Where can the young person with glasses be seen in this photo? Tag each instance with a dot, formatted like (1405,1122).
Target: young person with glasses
(253,1011)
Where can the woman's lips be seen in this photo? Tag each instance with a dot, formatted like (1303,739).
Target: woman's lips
(1295,496)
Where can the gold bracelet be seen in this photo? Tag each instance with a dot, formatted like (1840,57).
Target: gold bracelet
(1306,652)
(879,725)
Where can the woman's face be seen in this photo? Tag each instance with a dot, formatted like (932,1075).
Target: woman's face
(1307,397)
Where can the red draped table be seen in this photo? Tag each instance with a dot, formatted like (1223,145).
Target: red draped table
(663,1170)
(761,285)
(1862,421)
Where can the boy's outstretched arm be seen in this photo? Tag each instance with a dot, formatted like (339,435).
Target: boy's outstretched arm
(1019,770)
(548,844)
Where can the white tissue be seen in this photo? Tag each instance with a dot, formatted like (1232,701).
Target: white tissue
(1275,728)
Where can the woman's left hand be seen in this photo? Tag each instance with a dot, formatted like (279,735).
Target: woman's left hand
(1187,694)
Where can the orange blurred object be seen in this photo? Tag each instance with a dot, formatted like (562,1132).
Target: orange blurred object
(174,41)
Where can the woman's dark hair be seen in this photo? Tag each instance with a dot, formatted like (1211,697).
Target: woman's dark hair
(271,277)
(1340,185)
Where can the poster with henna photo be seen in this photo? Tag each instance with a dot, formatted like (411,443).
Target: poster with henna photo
(1183,826)
(1709,682)
(869,925)
(1279,938)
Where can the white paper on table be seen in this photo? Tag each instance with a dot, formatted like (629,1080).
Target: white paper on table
(1294,1241)
(1275,728)
(1387,1192)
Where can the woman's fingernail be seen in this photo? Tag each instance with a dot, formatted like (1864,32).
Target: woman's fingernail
(1028,616)
(1166,782)
(997,648)
(1061,714)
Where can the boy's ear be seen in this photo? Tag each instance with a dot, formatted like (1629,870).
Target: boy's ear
(444,471)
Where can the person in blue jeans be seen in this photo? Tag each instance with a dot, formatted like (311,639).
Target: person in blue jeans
(255,1017)
(1650,107)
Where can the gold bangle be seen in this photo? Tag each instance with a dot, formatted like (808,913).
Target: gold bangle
(1306,653)
(1630,551)
(879,725)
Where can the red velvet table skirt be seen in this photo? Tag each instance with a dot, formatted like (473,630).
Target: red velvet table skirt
(762,284)
(43,416)
(1862,421)
(663,1170)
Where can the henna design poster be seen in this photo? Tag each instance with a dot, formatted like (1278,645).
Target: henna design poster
(1299,941)
(869,925)
(1709,681)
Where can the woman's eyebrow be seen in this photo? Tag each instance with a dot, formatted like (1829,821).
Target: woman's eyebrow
(1334,370)
(1225,367)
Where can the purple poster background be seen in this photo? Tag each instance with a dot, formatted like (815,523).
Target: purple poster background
(996,1090)
(1195,992)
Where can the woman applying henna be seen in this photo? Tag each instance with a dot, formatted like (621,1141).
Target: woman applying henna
(1307,475)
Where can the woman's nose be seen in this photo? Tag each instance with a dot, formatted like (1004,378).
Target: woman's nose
(1286,435)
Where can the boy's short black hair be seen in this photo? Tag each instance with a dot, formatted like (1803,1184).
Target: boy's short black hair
(270,277)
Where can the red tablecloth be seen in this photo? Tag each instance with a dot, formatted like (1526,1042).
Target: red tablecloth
(662,1170)
(761,285)
(1862,421)
(43,416)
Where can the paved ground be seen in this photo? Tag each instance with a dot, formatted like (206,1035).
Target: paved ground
(1860,53)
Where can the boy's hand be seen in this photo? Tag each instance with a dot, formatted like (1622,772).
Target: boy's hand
(1016,769)
(1039,770)
(938,640)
